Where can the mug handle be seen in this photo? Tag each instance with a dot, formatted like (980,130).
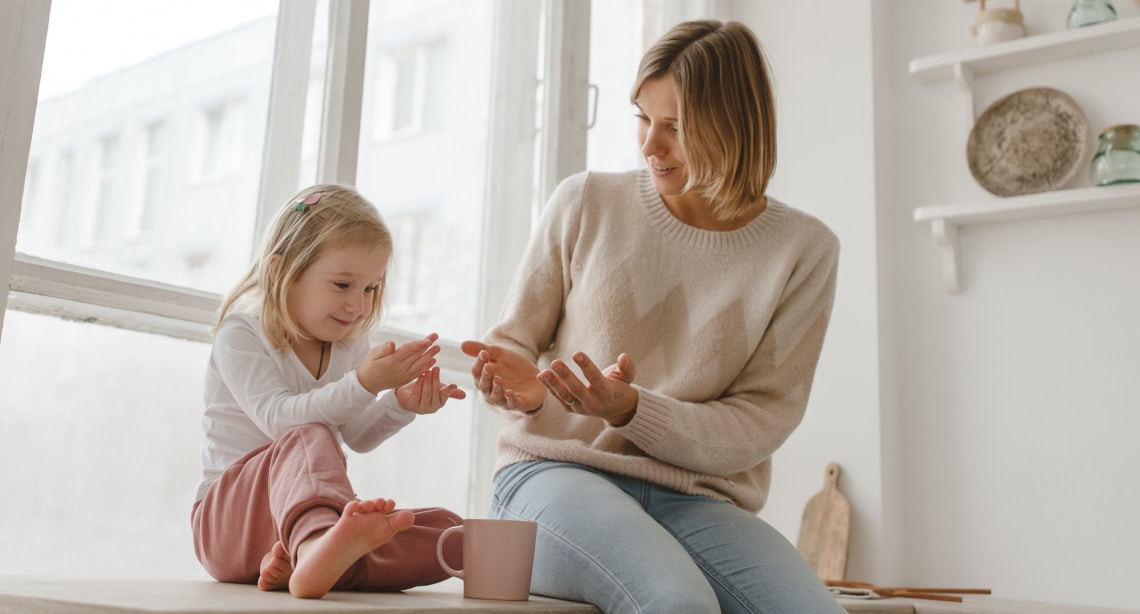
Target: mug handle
(458,573)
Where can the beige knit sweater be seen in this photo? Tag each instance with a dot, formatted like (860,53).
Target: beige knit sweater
(724,329)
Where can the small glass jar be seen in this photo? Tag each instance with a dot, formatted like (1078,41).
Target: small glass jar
(1117,160)
(1089,12)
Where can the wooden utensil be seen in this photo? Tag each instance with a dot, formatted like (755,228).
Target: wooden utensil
(826,528)
(912,592)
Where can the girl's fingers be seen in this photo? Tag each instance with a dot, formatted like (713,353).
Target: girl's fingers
(431,387)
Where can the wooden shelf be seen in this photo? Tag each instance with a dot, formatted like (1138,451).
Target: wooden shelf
(1030,50)
(965,65)
(945,220)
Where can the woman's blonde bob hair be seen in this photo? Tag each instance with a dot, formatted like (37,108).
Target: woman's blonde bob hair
(725,107)
(296,237)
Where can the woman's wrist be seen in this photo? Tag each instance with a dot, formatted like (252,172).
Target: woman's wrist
(626,416)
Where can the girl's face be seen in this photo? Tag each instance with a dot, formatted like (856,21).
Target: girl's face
(337,290)
(658,135)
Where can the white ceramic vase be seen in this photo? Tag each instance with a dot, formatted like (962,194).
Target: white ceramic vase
(997,25)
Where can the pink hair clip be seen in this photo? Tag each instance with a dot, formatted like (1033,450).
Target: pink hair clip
(303,205)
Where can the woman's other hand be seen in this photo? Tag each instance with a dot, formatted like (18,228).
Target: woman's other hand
(608,394)
(506,378)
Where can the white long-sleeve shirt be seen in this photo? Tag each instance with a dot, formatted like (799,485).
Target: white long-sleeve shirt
(255,393)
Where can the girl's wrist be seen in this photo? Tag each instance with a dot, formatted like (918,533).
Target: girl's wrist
(370,386)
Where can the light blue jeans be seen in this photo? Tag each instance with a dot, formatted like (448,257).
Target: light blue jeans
(626,545)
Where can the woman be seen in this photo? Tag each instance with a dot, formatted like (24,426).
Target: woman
(711,299)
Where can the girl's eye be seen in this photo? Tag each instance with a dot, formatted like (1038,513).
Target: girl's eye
(371,289)
(340,284)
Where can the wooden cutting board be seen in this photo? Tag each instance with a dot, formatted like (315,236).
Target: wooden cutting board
(826,528)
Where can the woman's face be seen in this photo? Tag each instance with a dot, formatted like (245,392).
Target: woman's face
(658,134)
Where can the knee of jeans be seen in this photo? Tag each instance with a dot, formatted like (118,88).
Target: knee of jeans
(673,596)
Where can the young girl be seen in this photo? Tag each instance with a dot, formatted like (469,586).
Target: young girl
(291,377)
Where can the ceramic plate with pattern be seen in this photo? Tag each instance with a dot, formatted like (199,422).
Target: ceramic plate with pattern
(1033,140)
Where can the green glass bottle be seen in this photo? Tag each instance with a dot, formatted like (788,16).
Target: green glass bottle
(1089,12)
(1117,159)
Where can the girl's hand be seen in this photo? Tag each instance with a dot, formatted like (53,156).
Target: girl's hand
(427,394)
(506,378)
(608,395)
(387,366)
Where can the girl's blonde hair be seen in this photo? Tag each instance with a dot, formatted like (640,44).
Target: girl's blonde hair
(297,236)
(725,107)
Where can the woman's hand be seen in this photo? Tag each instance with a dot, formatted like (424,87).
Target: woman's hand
(387,366)
(427,394)
(506,378)
(607,394)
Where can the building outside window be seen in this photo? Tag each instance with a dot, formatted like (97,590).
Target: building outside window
(98,206)
(146,181)
(58,201)
(218,141)
(412,80)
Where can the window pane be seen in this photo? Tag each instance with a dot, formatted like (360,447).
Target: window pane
(423,154)
(99,443)
(615,51)
(148,138)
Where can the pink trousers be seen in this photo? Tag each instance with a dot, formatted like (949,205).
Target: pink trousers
(287,490)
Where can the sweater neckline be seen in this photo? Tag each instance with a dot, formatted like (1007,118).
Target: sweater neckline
(674,229)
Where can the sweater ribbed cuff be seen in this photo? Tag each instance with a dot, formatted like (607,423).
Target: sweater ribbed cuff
(650,422)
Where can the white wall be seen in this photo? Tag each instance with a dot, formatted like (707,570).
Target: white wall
(986,438)
(826,166)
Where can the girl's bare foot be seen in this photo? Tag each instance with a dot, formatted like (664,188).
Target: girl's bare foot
(324,557)
(276,568)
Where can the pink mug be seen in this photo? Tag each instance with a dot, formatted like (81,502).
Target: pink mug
(498,556)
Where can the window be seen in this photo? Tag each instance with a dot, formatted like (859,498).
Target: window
(174,208)
(60,200)
(93,435)
(153,139)
(146,179)
(412,263)
(434,70)
(412,85)
(311,134)
(97,211)
(219,141)
(32,200)
(46,203)
(616,45)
